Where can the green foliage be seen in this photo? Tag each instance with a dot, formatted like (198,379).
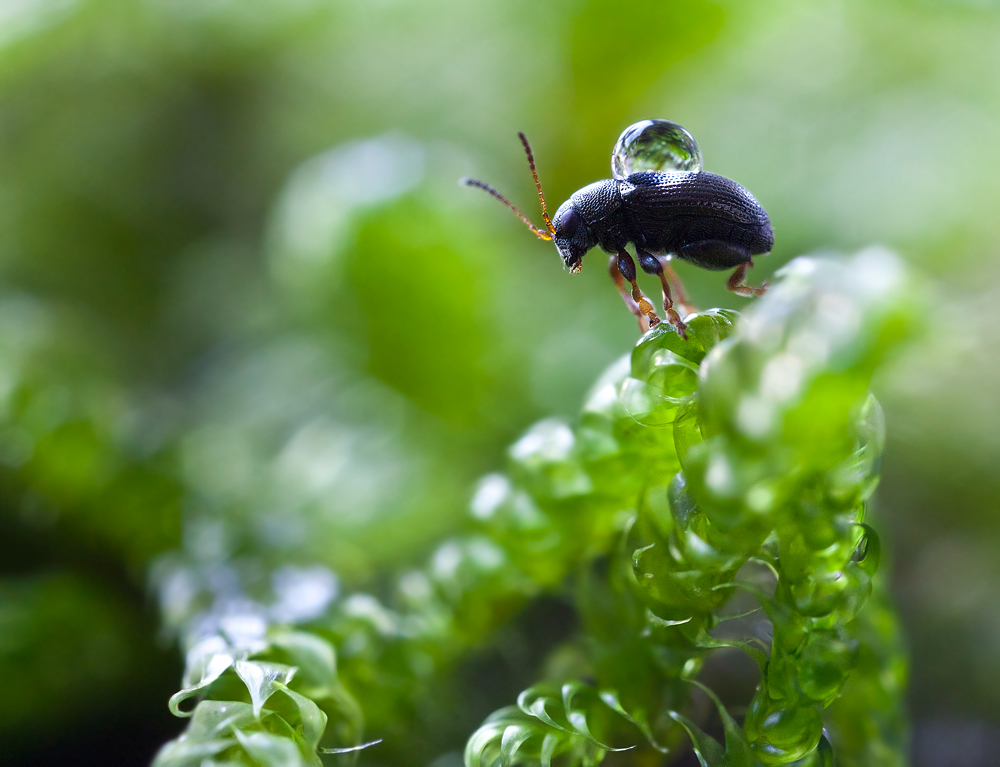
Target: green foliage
(734,464)
(269,699)
(71,442)
(779,448)
(62,640)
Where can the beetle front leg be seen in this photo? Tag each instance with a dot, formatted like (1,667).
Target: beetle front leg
(626,266)
(616,275)
(651,265)
(737,282)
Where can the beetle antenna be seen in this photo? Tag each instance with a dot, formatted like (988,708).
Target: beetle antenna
(539,233)
(538,184)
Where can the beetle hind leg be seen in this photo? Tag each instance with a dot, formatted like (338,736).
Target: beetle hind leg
(738,285)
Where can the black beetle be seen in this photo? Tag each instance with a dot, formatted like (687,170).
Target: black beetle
(700,217)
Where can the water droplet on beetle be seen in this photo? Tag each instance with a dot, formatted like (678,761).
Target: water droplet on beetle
(654,145)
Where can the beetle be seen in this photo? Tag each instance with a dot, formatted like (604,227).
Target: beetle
(697,216)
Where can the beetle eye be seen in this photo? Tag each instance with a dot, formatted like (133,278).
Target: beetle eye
(568,223)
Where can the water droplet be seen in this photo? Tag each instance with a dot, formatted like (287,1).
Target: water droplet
(654,145)
(862,550)
(646,405)
(868,551)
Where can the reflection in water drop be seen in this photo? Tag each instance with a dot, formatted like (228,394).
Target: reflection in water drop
(646,404)
(654,145)
(861,550)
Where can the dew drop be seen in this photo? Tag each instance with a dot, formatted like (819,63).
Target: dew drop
(868,550)
(654,145)
(861,551)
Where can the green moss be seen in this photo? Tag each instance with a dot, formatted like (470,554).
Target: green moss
(732,465)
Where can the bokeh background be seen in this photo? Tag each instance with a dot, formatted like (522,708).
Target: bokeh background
(256,344)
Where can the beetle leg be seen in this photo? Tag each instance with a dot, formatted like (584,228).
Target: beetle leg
(616,275)
(651,265)
(737,282)
(680,297)
(627,268)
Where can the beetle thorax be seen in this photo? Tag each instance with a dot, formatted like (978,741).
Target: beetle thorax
(600,204)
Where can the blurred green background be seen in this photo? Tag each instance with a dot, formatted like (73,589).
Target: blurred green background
(256,342)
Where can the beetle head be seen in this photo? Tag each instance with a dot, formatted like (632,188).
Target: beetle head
(572,235)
